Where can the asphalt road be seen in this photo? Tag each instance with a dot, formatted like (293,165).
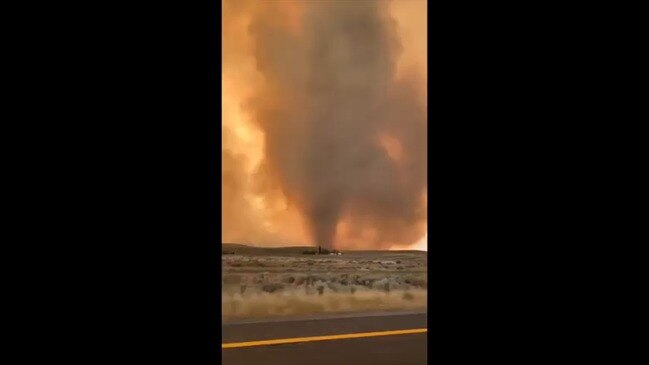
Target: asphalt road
(399,349)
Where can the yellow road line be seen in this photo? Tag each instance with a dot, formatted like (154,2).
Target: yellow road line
(321,338)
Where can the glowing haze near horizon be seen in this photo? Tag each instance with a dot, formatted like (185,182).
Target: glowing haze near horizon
(324,123)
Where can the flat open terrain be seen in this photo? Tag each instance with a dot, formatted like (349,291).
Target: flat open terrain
(280,282)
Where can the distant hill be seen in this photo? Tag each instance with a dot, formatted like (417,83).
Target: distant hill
(240,249)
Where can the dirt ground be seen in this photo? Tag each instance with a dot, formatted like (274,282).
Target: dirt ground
(263,282)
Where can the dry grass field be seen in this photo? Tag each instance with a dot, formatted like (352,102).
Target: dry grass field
(268,282)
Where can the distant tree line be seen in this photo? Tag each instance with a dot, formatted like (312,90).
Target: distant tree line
(320,251)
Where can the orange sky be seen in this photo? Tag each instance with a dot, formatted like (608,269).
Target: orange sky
(257,218)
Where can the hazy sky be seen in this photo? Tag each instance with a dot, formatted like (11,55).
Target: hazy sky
(302,80)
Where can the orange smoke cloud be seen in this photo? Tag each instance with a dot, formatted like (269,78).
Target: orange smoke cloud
(270,197)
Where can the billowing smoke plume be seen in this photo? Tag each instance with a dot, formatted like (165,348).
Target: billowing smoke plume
(345,139)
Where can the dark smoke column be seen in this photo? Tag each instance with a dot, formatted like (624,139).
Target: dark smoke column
(330,94)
